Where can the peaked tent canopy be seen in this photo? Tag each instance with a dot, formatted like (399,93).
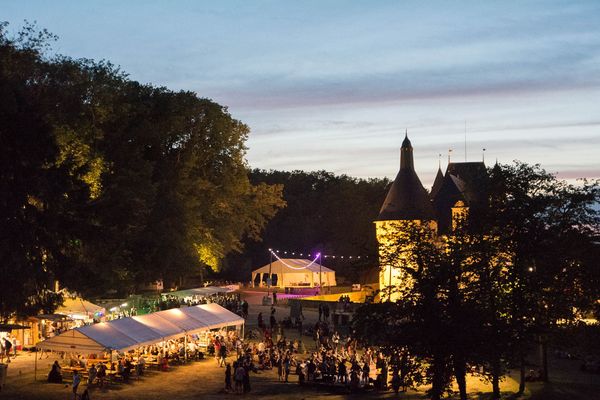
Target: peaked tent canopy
(78,308)
(293,272)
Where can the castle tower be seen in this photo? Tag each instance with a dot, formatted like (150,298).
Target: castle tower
(406,202)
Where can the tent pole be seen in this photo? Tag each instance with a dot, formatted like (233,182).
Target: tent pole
(320,274)
(35,355)
(270,274)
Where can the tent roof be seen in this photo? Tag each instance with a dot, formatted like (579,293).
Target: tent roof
(226,317)
(78,306)
(128,333)
(142,334)
(291,266)
(72,341)
(165,328)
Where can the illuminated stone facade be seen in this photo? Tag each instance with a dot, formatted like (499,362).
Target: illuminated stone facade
(407,202)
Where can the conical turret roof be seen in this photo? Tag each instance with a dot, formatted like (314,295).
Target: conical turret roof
(407,199)
(437,183)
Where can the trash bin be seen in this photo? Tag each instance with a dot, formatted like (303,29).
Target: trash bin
(3,372)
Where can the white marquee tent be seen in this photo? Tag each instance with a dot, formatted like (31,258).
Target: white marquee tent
(293,272)
(77,308)
(129,333)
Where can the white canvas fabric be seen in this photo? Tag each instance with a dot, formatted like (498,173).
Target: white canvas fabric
(297,272)
(132,332)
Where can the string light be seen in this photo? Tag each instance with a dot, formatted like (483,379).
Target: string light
(353,257)
(292,267)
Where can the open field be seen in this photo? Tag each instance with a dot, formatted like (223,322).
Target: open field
(204,379)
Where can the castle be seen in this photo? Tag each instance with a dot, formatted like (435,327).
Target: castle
(450,198)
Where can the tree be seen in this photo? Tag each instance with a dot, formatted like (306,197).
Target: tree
(325,213)
(108,184)
(506,275)
(547,226)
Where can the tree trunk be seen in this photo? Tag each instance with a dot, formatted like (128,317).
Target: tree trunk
(522,377)
(437,384)
(544,357)
(460,372)
(496,378)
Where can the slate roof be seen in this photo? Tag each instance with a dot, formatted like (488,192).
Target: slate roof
(407,199)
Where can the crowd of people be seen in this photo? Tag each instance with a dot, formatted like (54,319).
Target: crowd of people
(231,301)
(336,359)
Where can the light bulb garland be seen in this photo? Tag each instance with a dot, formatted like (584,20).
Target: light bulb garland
(292,267)
(308,254)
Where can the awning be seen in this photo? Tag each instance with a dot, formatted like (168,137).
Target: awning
(53,317)
(10,327)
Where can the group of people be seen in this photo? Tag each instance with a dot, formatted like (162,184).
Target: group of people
(55,376)
(230,301)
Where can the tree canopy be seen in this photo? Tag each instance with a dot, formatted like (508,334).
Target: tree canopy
(107,183)
(327,213)
(508,276)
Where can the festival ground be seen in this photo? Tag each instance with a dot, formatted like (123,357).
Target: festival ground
(205,380)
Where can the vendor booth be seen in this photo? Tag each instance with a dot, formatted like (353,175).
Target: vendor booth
(293,273)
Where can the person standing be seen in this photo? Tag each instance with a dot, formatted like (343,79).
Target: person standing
(239,378)
(396,381)
(228,377)
(287,365)
(246,378)
(7,347)
(222,354)
(76,382)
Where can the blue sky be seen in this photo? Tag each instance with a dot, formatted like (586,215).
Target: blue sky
(334,84)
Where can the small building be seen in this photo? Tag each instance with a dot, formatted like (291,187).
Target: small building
(293,273)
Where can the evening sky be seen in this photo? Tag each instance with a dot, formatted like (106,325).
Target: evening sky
(334,84)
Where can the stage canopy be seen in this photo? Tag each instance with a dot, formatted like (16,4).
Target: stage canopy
(129,333)
(293,272)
